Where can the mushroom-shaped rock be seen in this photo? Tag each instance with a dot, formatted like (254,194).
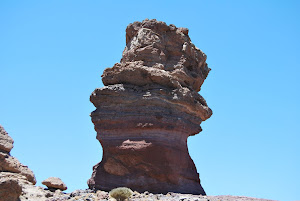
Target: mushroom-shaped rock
(147,109)
(55,183)
(6,142)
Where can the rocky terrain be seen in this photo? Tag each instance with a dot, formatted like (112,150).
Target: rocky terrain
(17,183)
(148,108)
(88,195)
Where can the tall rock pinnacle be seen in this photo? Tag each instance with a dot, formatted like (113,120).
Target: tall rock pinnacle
(147,110)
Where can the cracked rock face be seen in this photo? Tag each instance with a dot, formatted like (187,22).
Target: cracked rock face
(148,108)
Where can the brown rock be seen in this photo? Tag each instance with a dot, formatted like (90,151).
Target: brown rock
(10,189)
(6,142)
(9,163)
(147,110)
(161,54)
(30,192)
(55,183)
(17,181)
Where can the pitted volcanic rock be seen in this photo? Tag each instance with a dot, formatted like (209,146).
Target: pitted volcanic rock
(147,110)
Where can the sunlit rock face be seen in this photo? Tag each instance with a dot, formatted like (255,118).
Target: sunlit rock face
(13,174)
(147,109)
(9,163)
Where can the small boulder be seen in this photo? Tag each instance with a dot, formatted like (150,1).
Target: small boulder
(55,183)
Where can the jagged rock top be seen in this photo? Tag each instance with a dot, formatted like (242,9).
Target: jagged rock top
(158,54)
(6,142)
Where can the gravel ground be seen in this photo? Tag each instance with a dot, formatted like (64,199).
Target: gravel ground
(89,195)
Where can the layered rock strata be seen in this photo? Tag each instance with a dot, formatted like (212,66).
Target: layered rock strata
(13,174)
(9,163)
(147,110)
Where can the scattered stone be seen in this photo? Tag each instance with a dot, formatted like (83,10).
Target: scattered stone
(147,110)
(102,195)
(55,183)
(80,192)
(33,193)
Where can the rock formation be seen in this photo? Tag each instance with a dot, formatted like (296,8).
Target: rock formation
(13,174)
(55,183)
(6,142)
(9,163)
(147,110)
(17,182)
(10,189)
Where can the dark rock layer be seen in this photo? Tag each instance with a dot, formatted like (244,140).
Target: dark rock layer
(147,110)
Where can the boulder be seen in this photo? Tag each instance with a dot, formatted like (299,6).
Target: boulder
(147,109)
(55,183)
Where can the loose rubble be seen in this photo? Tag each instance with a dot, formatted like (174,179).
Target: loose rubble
(88,195)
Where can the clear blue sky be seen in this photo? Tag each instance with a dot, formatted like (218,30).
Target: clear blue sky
(52,54)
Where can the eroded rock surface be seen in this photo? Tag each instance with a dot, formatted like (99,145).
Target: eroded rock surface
(10,188)
(9,163)
(17,181)
(147,110)
(6,142)
(13,174)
